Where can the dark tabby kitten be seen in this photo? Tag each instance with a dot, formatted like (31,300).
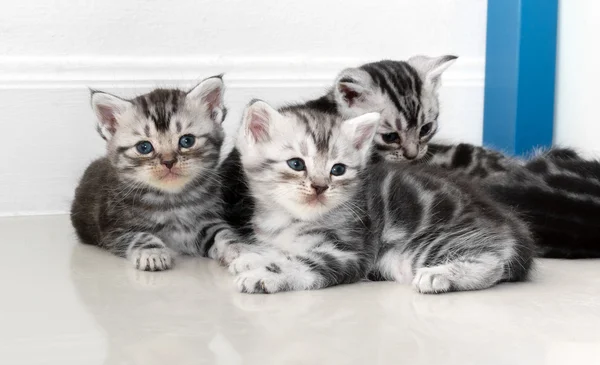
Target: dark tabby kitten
(157,192)
(558,194)
(325,216)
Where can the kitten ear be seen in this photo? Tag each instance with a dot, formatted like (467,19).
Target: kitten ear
(431,68)
(208,95)
(352,86)
(361,130)
(257,121)
(108,109)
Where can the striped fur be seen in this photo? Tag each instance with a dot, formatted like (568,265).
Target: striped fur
(468,160)
(441,233)
(150,207)
(558,194)
(401,222)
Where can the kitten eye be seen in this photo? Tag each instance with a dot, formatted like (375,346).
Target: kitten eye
(296,164)
(338,169)
(390,137)
(425,129)
(144,147)
(187,141)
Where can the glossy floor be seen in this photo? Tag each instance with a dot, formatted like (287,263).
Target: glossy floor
(65,303)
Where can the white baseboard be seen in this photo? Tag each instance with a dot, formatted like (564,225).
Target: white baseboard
(47,125)
(64,72)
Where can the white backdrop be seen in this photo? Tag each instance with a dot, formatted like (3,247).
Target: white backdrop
(279,51)
(578,76)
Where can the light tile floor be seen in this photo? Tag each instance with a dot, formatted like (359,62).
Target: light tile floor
(65,303)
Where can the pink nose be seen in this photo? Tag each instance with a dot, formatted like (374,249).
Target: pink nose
(319,189)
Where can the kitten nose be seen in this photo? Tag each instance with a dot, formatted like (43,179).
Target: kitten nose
(411,152)
(319,189)
(169,163)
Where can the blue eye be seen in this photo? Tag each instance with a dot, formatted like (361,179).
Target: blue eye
(187,141)
(144,147)
(338,169)
(296,164)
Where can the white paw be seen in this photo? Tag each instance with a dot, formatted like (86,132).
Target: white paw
(152,259)
(267,279)
(247,261)
(431,281)
(226,253)
(230,253)
(227,247)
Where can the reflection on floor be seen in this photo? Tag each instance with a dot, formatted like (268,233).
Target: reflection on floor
(66,303)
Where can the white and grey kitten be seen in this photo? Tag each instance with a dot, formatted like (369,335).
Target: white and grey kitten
(325,216)
(309,219)
(157,192)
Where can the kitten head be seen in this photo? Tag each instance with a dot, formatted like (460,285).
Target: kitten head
(303,161)
(405,93)
(166,138)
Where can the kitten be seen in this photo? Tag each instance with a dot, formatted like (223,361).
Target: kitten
(404,93)
(325,216)
(303,172)
(157,192)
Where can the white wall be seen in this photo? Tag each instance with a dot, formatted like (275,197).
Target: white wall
(577,122)
(50,52)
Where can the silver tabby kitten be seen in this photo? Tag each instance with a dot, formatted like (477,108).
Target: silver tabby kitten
(406,95)
(325,216)
(403,92)
(156,193)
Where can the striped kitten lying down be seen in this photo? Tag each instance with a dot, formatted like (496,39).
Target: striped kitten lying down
(324,216)
(157,193)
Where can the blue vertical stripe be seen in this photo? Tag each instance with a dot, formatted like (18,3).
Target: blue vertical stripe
(520,74)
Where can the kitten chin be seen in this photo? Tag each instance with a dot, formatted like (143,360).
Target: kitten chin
(309,210)
(167,181)
(170,184)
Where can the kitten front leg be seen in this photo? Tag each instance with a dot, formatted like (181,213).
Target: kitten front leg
(146,251)
(472,273)
(280,276)
(218,241)
(444,273)
(313,270)
(253,257)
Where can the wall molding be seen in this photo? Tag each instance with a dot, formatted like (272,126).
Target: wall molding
(33,72)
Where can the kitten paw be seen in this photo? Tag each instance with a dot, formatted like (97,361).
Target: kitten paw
(266,280)
(230,254)
(227,247)
(225,254)
(247,261)
(431,281)
(152,259)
